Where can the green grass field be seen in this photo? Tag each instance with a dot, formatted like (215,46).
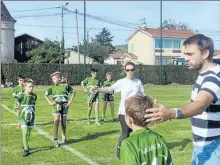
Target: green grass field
(95,142)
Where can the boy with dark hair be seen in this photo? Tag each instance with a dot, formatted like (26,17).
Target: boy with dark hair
(108,97)
(143,146)
(92,97)
(60,102)
(26,112)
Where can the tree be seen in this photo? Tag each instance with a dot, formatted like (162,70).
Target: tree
(99,48)
(48,52)
(171,24)
(97,51)
(105,38)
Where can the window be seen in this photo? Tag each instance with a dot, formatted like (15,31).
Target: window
(119,62)
(165,60)
(158,50)
(170,44)
(157,43)
(176,44)
(167,43)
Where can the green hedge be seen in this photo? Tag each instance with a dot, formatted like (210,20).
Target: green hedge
(148,74)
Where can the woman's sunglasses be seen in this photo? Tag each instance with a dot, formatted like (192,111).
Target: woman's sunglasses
(127,70)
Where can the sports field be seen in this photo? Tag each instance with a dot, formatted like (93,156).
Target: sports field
(87,144)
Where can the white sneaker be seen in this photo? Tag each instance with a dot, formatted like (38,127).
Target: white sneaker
(55,143)
(97,123)
(63,138)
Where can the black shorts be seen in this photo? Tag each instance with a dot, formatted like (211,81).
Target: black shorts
(108,97)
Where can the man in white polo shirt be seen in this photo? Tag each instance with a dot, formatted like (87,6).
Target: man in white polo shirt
(204,109)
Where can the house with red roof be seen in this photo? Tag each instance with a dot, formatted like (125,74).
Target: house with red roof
(119,58)
(144,43)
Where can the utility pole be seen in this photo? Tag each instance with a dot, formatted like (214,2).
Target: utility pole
(62,48)
(77,33)
(62,37)
(87,35)
(161,45)
(84,39)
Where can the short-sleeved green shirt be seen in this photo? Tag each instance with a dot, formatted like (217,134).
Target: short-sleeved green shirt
(90,82)
(59,91)
(60,94)
(27,104)
(145,147)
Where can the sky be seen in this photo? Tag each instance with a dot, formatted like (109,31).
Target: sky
(201,15)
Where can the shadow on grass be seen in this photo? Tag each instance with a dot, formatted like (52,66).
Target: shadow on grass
(90,136)
(183,144)
(74,120)
(39,149)
(51,122)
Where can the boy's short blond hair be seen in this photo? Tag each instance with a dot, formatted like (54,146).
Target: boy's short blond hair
(55,73)
(135,107)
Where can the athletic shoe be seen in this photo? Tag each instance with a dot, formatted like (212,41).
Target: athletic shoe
(23,147)
(26,153)
(55,143)
(97,123)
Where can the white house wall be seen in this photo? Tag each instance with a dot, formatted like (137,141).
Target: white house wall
(74,59)
(7,41)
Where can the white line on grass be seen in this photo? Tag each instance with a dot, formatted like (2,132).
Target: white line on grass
(66,147)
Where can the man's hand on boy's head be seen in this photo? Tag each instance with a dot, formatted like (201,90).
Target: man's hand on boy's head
(158,114)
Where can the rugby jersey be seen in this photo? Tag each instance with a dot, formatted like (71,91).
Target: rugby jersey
(206,126)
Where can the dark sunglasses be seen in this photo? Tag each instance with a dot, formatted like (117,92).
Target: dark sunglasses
(127,70)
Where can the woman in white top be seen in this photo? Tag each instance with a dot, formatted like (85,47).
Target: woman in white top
(128,86)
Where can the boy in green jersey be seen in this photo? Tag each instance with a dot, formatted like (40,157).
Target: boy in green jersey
(143,146)
(26,112)
(108,97)
(18,89)
(60,102)
(92,98)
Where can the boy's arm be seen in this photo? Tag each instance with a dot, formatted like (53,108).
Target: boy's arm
(47,93)
(83,83)
(14,93)
(115,87)
(127,154)
(18,108)
(73,93)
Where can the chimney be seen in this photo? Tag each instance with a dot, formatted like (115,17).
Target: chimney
(143,26)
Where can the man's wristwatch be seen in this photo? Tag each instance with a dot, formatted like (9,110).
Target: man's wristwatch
(179,114)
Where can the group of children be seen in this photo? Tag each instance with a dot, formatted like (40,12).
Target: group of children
(25,100)
(58,97)
(142,147)
(93,97)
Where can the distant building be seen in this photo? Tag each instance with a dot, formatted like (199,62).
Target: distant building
(145,44)
(7,35)
(119,58)
(23,44)
(72,57)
